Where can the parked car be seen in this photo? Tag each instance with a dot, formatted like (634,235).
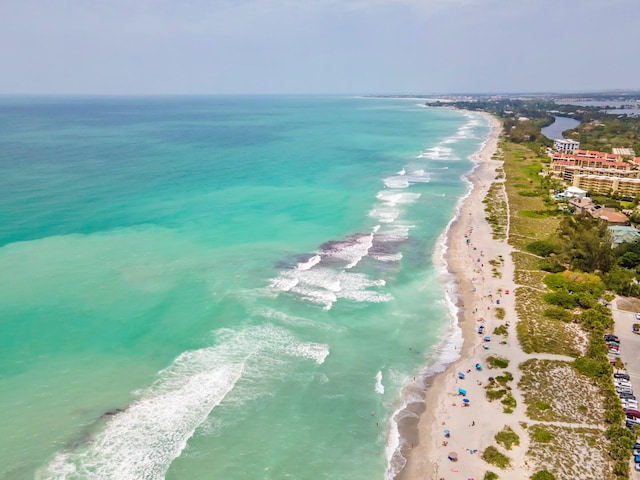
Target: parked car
(638,316)
(637,467)
(624,376)
(628,396)
(635,328)
(633,413)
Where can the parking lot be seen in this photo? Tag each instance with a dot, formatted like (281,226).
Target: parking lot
(629,344)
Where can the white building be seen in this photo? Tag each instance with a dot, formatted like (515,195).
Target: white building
(566,145)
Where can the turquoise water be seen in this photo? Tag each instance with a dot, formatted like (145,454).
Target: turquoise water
(219,287)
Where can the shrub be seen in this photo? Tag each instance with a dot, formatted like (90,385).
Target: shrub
(493,456)
(541,435)
(542,405)
(500,313)
(558,313)
(542,248)
(497,362)
(591,367)
(507,437)
(501,330)
(490,476)
(504,378)
(562,299)
(495,394)
(543,475)
(550,266)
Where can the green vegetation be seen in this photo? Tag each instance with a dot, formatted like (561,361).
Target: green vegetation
(493,456)
(566,268)
(501,330)
(543,475)
(541,435)
(490,476)
(497,362)
(495,394)
(500,313)
(509,403)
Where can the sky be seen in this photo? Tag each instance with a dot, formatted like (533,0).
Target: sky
(317,46)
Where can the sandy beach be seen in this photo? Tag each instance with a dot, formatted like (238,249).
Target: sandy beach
(472,428)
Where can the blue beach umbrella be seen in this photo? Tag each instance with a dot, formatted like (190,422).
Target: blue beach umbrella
(461,375)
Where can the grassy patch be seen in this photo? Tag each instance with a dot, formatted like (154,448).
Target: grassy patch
(551,389)
(541,435)
(493,394)
(497,362)
(500,313)
(501,330)
(509,403)
(543,475)
(507,438)
(572,453)
(490,476)
(493,456)
(537,333)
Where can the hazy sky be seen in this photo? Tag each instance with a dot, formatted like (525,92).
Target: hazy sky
(317,46)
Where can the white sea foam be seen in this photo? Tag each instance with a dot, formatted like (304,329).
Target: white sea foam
(379,386)
(351,250)
(388,258)
(396,182)
(439,152)
(310,263)
(401,172)
(395,233)
(284,283)
(324,286)
(393,198)
(384,213)
(143,440)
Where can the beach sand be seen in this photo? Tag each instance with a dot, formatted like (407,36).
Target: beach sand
(472,428)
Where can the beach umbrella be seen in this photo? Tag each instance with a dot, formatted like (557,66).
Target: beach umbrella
(462,391)
(487,338)
(466,401)
(478,366)
(461,375)
(453,456)
(447,433)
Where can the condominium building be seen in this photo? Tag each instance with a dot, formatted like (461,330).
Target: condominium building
(565,145)
(627,187)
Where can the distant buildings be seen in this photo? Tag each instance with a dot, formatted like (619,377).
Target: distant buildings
(624,234)
(624,152)
(598,172)
(566,145)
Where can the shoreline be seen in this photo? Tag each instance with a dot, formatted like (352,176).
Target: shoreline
(468,229)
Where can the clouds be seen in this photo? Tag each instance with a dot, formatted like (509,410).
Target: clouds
(321,46)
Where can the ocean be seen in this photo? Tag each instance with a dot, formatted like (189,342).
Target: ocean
(222,287)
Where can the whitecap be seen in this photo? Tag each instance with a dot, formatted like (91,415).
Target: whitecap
(379,388)
(143,440)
